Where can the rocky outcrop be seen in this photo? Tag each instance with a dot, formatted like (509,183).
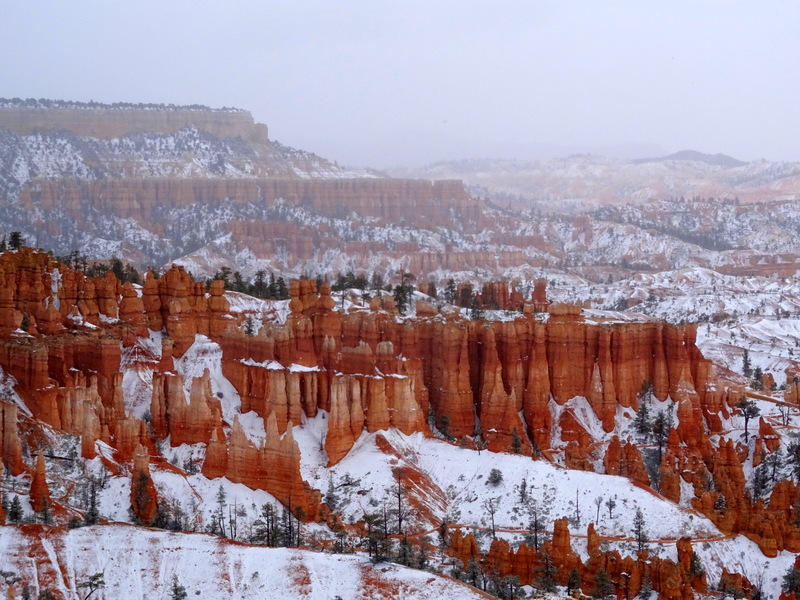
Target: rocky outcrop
(418,202)
(274,467)
(107,122)
(143,496)
(369,371)
(10,443)
(40,492)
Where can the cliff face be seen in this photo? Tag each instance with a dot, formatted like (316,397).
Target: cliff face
(416,202)
(117,123)
(514,386)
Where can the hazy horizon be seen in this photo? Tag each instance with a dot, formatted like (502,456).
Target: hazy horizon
(389,85)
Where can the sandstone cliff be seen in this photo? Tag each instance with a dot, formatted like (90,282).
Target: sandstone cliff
(368,371)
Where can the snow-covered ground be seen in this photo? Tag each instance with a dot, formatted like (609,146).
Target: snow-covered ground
(138,564)
(460,492)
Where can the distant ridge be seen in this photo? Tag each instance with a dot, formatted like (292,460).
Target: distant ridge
(719,160)
(44,103)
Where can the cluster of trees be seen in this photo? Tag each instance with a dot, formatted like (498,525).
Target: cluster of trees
(123,271)
(653,429)
(15,240)
(73,104)
(266,288)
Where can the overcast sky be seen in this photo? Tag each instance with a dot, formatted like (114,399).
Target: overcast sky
(385,84)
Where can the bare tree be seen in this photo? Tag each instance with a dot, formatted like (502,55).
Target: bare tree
(598,502)
(490,504)
(610,505)
(399,494)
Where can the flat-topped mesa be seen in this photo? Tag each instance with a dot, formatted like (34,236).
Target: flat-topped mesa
(103,121)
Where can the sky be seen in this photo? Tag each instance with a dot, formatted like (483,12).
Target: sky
(405,83)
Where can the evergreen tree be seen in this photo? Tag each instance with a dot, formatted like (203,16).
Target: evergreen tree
(15,240)
(281,290)
(647,587)
(45,514)
(466,296)
(432,291)
(695,565)
(495,477)
(642,421)
(376,282)
(603,586)
(639,531)
(259,287)
(450,292)
(546,574)
(249,326)
(747,369)
(516,441)
(662,425)
(377,541)
(508,587)
(749,410)
(266,528)
(443,426)
(404,552)
(94,583)
(140,498)
(791,581)
(218,518)
(177,591)
(476,312)
(574,581)
(793,458)
(92,515)
(535,525)
(331,497)
(15,510)
(760,481)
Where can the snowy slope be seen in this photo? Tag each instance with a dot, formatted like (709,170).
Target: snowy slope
(138,564)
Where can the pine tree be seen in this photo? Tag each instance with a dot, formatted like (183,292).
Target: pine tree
(218,518)
(15,240)
(177,591)
(603,586)
(574,581)
(791,581)
(662,425)
(46,515)
(15,510)
(749,410)
(249,326)
(647,587)
(331,498)
(546,574)
(639,531)
(516,441)
(450,292)
(92,515)
(747,369)
(642,421)
(404,552)
(94,583)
